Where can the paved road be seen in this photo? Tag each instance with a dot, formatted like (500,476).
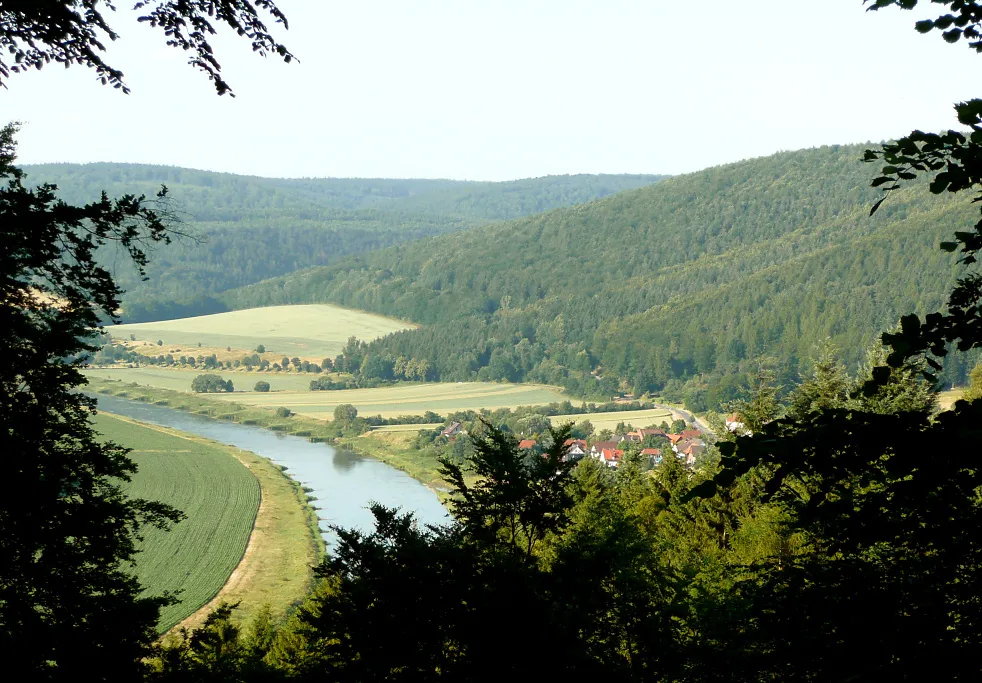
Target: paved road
(679,414)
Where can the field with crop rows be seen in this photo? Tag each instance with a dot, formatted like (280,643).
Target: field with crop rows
(637,418)
(405,399)
(311,331)
(220,497)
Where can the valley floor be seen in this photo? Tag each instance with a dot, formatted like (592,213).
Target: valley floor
(292,391)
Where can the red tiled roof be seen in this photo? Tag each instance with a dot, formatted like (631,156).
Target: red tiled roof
(526,443)
(611,454)
(690,433)
(650,451)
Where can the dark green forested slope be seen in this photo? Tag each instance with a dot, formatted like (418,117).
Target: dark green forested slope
(256,228)
(690,280)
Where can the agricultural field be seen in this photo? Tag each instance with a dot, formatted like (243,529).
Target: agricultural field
(638,418)
(408,428)
(946,399)
(311,331)
(219,495)
(405,399)
(179,379)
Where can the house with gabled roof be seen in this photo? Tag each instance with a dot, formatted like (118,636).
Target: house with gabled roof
(653,455)
(597,447)
(575,449)
(735,423)
(611,457)
(453,430)
(526,444)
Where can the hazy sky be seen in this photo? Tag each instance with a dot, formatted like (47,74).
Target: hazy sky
(497,89)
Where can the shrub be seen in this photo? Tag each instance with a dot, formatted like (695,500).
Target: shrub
(283,411)
(261,386)
(210,384)
(345,413)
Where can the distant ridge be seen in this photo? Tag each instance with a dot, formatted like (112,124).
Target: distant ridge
(256,228)
(679,287)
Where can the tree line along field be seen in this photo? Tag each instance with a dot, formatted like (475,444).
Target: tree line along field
(405,399)
(179,379)
(312,331)
(219,495)
(292,391)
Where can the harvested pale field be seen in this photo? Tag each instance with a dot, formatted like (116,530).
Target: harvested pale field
(311,331)
(946,399)
(637,418)
(405,399)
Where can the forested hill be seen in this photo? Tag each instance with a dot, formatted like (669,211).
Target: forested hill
(688,281)
(255,228)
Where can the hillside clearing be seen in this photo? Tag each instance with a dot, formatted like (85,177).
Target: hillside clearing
(310,331)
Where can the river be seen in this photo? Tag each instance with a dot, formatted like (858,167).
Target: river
(343,482)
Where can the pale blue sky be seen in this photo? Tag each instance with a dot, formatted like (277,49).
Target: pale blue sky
(498,89)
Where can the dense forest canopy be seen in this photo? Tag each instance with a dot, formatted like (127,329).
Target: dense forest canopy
(690,281)
(250,228)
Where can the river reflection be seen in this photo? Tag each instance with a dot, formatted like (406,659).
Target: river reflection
(343,482)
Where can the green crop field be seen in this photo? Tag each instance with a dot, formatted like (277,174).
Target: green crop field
(178,379)
(220,497)
(637,418)
(405,399)
(308,331)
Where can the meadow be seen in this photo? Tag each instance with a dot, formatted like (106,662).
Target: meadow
(404,399)
(637,418)
(311,331)
(292,391)
(179,379)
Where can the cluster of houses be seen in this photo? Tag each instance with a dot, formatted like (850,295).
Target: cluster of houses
(687,447)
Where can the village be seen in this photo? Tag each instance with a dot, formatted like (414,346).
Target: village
(651,443)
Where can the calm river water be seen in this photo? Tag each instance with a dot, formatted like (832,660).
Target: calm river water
(344,483)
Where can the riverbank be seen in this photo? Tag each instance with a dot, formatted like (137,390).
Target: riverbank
(284,541)
(284,547)
(424,470)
